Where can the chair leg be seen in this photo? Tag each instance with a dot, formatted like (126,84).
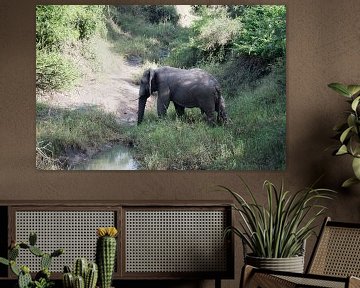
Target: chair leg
(354,282)
(246,274)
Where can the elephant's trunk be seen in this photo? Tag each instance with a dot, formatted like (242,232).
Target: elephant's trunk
(141,109)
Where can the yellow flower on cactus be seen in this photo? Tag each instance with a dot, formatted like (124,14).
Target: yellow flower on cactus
(107,231)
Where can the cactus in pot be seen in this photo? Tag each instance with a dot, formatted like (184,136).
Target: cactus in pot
(105,254)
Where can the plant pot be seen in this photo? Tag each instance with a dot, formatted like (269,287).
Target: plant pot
(291,264)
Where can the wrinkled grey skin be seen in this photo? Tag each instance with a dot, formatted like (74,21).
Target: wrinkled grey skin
(186,89)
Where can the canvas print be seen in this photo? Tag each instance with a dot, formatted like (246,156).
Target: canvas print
(161,87)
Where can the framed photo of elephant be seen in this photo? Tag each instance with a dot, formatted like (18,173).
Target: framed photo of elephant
(161,87)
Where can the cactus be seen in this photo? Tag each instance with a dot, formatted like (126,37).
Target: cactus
(44,273)
(57,252)
(4,261)
(45,261)
(88,273)
(14,268)
(105,255)
(68,280)
(67,269)
(24,278)
(80,267)
(79,282)
(36,251)
(13,253)
(23,273)
(32,238)
(91,276)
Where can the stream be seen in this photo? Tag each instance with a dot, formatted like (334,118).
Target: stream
(116,158)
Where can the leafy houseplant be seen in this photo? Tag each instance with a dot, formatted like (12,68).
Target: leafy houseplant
(349,132)
(279,229)
(42,278)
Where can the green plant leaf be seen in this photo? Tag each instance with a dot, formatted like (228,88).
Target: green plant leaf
(356,167)
(345,134)
(353,89)
(351,120)
(342,150)
(351,181)
(355,103)
(4,261)
(340,88)
(354,145)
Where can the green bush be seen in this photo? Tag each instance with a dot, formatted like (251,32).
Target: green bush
(54,71)
(57,25)
(160,14)
(57,28)
(214,33)
(264,31)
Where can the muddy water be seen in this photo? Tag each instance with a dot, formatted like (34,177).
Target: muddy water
(116,158)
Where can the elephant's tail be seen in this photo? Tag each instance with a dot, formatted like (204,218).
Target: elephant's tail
(222,115)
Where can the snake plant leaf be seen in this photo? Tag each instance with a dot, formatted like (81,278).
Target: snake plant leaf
(356,167)
(342,150)
(355,103)
(351,181)
(341,89)
(345,134)
(353,89)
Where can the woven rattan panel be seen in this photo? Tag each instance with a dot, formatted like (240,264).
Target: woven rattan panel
(312,282)
(75,231)
(338,253)
(175,241)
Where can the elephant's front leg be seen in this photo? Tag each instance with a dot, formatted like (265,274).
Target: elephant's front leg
(163,102)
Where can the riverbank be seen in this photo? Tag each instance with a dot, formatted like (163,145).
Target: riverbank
(75,125)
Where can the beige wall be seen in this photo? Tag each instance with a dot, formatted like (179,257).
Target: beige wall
(323,46)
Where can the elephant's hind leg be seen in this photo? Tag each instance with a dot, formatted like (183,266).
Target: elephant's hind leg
(210,117)
(180,110)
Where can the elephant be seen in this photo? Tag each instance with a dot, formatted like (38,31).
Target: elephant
(186,89)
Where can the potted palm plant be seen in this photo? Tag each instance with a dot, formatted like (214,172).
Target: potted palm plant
(349,131)
(275,234)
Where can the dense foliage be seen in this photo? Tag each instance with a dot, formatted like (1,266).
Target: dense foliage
(223,32)
(59,26)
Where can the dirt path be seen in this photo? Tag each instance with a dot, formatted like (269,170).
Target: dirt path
(111,89)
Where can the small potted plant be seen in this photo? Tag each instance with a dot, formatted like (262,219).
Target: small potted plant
(42,278)
(349,131)
(276,233)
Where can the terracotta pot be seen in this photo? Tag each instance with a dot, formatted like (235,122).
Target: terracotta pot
(291,264)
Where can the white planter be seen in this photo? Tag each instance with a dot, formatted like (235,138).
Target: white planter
(291,264)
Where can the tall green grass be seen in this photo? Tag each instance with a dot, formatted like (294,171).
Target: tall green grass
(254,139)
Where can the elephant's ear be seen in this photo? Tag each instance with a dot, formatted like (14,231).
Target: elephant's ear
(151,76)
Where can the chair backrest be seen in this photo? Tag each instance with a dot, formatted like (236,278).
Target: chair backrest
(337,251)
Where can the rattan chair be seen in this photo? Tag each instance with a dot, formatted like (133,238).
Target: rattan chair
(334,263)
